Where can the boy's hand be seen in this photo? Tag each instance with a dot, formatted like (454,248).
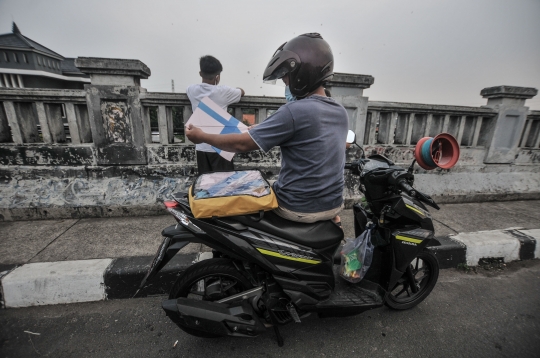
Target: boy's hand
(194,134)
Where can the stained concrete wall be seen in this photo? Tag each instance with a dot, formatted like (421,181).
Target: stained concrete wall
(41,192)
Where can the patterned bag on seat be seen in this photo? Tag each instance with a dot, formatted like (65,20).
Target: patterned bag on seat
(220,194)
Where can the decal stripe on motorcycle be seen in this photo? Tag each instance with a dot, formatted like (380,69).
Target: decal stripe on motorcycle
(409,239)
(277,254)
(416,210)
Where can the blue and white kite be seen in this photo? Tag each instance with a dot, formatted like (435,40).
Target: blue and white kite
(213,119)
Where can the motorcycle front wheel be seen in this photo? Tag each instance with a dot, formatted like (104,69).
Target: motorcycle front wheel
(209,280)
(425,269)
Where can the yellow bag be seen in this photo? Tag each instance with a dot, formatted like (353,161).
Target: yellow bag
(220,194)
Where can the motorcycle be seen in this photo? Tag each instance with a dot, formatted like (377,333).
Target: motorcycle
(267,271)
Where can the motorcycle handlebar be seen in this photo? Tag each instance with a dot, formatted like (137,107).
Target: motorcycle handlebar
(403,185)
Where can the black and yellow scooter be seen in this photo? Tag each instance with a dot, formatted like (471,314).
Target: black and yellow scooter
(266,272)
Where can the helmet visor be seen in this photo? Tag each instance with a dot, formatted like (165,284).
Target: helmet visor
(276,75)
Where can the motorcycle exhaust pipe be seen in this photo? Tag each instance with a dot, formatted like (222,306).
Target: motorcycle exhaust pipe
(214,318)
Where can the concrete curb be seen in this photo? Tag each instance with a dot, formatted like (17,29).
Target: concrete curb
(94,280)
(60,282)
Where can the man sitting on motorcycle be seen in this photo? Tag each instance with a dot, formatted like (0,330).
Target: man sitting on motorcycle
(310,131)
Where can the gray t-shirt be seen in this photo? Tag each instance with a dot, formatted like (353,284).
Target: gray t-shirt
(311,133)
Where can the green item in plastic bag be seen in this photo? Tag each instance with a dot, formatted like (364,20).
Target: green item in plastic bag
(356,256)
(352,261)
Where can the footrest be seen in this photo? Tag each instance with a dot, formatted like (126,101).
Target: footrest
(349,299)
(352,295)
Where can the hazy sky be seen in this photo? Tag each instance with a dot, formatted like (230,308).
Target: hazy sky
(424,51)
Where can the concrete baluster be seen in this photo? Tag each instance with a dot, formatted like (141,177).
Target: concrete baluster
(73,123)
(375,116)
(170,124)
(238,113)
(477,128)
(54,119)
(429,120)
(263,113)
(27,122)
(537,143)
(410,129)
(5,135)
(446,123)
(392,128)
(43,122)
(186,115)
(461,129)
(163,125)
(147,127)
(11,115)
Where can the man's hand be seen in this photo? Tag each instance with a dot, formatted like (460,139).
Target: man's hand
(194,134)
(234,142)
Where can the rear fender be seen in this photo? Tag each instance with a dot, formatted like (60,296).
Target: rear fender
(175,238)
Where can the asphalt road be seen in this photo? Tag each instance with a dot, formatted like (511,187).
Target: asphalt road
(485,314)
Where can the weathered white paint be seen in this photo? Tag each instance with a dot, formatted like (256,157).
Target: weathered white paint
(48,283)
(44,74)
(449,184)
(536,234)
(487,244)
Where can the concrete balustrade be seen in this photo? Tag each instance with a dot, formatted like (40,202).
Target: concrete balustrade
(97,151)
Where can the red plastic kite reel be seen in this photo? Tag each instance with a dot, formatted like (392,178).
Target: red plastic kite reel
(439,152)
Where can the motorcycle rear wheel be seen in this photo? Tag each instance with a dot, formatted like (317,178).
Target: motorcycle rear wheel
(209,280)
(425,269)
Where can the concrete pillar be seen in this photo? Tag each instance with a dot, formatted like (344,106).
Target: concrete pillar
(347,89)
(509,101)
(114,108)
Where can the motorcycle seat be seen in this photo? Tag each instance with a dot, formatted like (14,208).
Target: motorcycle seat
(316,235)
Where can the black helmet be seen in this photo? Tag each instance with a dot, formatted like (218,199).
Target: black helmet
(308,60)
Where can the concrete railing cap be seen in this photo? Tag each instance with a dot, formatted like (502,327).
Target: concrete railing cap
(112,66)
(350,80)
(509,92)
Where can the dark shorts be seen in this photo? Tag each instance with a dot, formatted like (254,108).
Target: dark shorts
(212,162)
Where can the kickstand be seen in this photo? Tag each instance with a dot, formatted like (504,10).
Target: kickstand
(278,336)
(276,330)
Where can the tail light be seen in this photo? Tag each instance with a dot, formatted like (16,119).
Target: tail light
(170,204)
(173,208)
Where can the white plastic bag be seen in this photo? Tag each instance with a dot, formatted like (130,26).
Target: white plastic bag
(356,256)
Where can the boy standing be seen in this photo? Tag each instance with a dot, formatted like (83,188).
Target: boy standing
(207,159)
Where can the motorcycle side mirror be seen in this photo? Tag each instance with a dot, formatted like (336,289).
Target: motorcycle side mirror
(351,137)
